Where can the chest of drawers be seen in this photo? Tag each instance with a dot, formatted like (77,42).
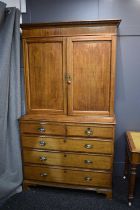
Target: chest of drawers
(68,155)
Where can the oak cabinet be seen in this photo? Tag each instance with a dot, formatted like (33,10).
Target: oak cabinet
(67,133)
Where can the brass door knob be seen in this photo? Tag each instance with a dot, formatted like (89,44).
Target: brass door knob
(69,79)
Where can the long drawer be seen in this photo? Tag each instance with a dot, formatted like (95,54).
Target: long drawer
(58,175)
(90,131)
(68,159)
(68,144)
(42,128)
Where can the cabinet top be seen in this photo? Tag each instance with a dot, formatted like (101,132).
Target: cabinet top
(107,22)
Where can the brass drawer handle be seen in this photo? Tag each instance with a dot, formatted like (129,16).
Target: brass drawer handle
(88,132)
(88,161)
(42,143)
(41,130)
(88,146)
(43,174)
(88,178)
(42,158)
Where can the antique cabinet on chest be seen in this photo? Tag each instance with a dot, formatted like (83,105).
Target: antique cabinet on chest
(67,133)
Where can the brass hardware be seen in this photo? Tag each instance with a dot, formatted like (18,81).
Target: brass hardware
(87,178)
(88,161)
(68,79)
(88,146)
(43,158)
(88,132)
(43,174)
(42,143)
(42,129)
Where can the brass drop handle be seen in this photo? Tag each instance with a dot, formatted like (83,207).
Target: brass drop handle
(41,130)
(42,143)
(43,158)
(43,174)
(88,146)
(88,132)
(88,178)
(88,161)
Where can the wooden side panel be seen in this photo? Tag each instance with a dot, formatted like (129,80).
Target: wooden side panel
(90,72)
(44,75)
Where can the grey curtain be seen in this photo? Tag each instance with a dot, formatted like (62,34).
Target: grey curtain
(10,102)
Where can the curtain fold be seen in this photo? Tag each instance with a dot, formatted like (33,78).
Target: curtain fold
(2,11)
(10,101)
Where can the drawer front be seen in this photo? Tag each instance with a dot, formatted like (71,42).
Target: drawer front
(58,175)
(42,128)
(91,131)
(68,159)
(69,144)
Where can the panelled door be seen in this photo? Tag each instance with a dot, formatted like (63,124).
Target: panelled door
(89,64)
(45,75)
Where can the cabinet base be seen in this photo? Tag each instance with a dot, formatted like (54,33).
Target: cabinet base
(28,183)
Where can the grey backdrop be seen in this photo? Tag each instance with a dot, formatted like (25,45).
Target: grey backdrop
(127,100)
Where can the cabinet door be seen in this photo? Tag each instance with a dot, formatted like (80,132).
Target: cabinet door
(91,76)
(44,75)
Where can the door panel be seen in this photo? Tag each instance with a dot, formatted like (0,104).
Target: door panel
(90,71)
(45,75)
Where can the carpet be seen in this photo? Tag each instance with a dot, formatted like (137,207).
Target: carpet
(47,198)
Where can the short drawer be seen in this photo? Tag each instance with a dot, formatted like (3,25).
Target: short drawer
(90,131)
(68,144)
(42,128)
(68,159)
(67,176)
